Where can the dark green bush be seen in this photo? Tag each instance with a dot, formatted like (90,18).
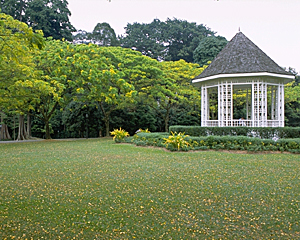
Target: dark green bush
(261,132)
(149,139)
(250,144)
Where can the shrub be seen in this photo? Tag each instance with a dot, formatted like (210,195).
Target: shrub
(260,132)
(176,141)
(252,144)
(145,131)
(119,135)
(149,139)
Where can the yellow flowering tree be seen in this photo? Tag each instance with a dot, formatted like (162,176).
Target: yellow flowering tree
(17,42)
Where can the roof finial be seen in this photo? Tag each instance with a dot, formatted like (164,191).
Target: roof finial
(239,29)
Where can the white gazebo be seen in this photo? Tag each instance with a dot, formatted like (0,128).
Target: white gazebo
(241,66)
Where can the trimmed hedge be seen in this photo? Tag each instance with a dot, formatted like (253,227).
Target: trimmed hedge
(261,132)
(148,139)
(219,142)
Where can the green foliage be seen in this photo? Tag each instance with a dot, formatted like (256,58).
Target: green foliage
(135,116)
(102,80)
(119,135)
(81,37)
(292,113)
(292,103)
(171,40)
(102,35)
(145,38)
(208,49)
(120,86)
(176,141)
(50,16)
(149,139)
(53,82)
(78,119)
(17,44)
(144,130)
(163,86)
(140,72)
(262,132)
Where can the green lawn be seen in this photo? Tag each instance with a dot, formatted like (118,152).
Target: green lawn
(95,189)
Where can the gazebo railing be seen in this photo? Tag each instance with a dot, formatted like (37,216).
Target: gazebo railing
(273,123)
(242,123)
(212,123)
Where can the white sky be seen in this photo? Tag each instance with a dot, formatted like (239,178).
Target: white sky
(273,25)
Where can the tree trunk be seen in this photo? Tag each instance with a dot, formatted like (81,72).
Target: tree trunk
(106,118)
(167,122)
(167,118)
(28,126)
(47,129)
(46,118)
(4,134)
(22,134)
(106,121)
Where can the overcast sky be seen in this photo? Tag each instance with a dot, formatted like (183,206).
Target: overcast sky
(273,25)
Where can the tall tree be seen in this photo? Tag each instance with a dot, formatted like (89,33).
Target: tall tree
(104,35)
(81,37)
(52,82)
(171,40)
(136,69)
(183,37)
(17,42)
(101,81)
(14,8)
(145,38)
(82,73)
(160,85)
(51,16)
(208,49)
(176,90)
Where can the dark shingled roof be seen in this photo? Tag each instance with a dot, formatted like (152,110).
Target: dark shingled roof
(241,55)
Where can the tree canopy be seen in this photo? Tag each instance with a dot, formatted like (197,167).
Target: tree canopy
(17,41)
(102,35)
(208,49)
(50,16)
(171,40)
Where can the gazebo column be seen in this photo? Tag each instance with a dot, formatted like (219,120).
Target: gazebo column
(220,105)
(264,105)
(225,104)
(274,110)
(259,104)
(280,107)
(277,105)
(274,106)
(204,106)
(248,105)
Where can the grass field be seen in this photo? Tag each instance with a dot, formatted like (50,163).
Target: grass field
(95,189)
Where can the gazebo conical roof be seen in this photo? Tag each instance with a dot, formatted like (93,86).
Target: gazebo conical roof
(241,56)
